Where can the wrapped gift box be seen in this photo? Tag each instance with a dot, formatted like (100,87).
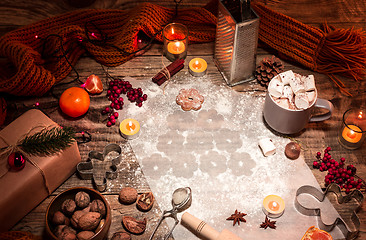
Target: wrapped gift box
(23,190)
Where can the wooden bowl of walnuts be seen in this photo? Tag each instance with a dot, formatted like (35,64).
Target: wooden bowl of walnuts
(78,213)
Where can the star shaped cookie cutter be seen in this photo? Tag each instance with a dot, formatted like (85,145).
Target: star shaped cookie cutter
(101,166)
(346,206)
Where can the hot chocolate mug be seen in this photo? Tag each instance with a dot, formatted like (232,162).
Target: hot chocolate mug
(290,121)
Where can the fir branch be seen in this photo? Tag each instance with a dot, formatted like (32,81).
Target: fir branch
(48,141)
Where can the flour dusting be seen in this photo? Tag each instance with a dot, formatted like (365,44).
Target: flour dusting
(215,152)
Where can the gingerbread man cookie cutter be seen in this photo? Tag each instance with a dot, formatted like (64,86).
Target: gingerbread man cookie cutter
(101,166)
(346,206)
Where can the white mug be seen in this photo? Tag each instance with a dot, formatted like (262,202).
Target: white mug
(290,121)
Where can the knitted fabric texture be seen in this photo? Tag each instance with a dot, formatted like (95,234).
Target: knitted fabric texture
(35,65)
(332,51)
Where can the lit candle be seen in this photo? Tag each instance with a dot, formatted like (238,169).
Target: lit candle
(176,47)
(175,41)
(129,128)
(352,134)
(273,206)
(353,130)
(198,67)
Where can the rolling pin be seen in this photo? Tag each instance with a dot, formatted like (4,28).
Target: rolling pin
(201,228)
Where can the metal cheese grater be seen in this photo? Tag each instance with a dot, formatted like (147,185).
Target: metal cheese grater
(236,46)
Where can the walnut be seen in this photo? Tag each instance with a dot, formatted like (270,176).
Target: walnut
(98,206)
(128,195)
(60,219)
(75,218)
(64,232)
(145,201)
(133,225)
(68,207)
(82,199)
(89,221)
(121,236)
(84,235)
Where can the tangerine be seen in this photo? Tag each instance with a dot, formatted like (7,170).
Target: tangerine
(93,84)
(74,102)
(314,233)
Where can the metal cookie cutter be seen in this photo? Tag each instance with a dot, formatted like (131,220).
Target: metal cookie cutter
(101,166)
(346,206)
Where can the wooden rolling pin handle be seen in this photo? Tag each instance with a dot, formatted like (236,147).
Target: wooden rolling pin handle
(200,226)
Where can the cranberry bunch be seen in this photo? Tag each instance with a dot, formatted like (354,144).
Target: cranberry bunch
(344,176)
(115,89)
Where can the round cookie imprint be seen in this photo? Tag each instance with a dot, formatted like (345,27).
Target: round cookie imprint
(189,99)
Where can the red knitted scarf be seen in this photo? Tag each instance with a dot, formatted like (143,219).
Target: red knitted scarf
(30,72)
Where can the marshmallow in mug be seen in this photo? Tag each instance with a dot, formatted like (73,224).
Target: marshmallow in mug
(292,91)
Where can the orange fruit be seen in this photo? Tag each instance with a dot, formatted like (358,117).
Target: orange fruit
(74,102)
(314,233)
(93,84)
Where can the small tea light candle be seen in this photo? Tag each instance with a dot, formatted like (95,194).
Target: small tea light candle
(176,47)
(273,206)
(198,67)
(129,128)
(352,134)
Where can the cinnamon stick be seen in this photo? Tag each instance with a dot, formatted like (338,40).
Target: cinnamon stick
(173,68)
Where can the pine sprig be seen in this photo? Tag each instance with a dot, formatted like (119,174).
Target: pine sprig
(48,141)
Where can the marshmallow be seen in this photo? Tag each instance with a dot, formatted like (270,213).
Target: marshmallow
(309,83)
(287,77)
(275,87)
(301,101)
(267,146)
(298,85)
(288,93)
(311,96)
(283,102)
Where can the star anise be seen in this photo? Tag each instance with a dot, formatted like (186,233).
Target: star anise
(268,223)
(237,217)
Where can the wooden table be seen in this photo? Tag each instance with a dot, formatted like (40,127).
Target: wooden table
(341,13)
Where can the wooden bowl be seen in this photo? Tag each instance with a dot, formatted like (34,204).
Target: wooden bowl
(55,205)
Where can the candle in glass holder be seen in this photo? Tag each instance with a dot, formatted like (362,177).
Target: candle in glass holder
(198,67)
(273,206)
(176,47)
(175,37)
(129,128)
(353,129)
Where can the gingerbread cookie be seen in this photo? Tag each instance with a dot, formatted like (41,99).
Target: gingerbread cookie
(189,99)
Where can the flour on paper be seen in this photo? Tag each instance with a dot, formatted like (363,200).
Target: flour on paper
(215,152)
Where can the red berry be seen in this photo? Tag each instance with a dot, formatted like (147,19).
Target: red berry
(116,114)
(109,124)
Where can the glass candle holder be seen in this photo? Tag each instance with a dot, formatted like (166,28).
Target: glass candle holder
(175,41)
(353,128)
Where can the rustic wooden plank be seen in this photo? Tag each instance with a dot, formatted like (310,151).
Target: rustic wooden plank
(340,13)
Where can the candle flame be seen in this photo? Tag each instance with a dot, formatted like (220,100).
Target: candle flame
(172,30)
(131,127)
(273,205)
(196,65)
(177,46)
